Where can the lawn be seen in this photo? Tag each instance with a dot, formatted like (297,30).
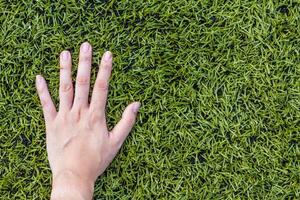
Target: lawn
(219,83)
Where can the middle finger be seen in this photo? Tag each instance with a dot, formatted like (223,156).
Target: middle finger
(83,76)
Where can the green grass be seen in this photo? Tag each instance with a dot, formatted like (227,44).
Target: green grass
(219,82)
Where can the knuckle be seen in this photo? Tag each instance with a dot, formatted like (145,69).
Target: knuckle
(66,87)
(85,57)
(95,117)
(63,118)
(128,119)
(44,102)
(75,116)
(82,80)
(116,143)
(106,65)
(102,85)
(64,67)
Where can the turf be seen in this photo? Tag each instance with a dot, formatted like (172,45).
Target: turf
(219,83)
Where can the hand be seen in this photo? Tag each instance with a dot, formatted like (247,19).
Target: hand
(79,145)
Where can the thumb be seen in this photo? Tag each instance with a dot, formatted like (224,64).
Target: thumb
(119,133)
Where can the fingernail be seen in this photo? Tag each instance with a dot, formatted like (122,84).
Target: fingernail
(107,56)
(38,78)
(136,107)
(65,55)
(85,47)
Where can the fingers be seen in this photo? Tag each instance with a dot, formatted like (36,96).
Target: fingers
(45,98)
(100,90)
(124,126)
(83,76)
(65,86)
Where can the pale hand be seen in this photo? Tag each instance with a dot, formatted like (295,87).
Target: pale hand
(79,145)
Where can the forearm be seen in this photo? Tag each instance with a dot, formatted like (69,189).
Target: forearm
(68,185)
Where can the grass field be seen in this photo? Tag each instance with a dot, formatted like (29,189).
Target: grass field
(219,83)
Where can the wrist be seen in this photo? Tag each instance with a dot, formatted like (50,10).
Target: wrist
(69,185)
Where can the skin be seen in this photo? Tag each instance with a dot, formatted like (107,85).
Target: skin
(79,145)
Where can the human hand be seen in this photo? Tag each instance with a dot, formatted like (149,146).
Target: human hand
(79,144)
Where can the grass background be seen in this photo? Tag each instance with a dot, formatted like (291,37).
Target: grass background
(219,82)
